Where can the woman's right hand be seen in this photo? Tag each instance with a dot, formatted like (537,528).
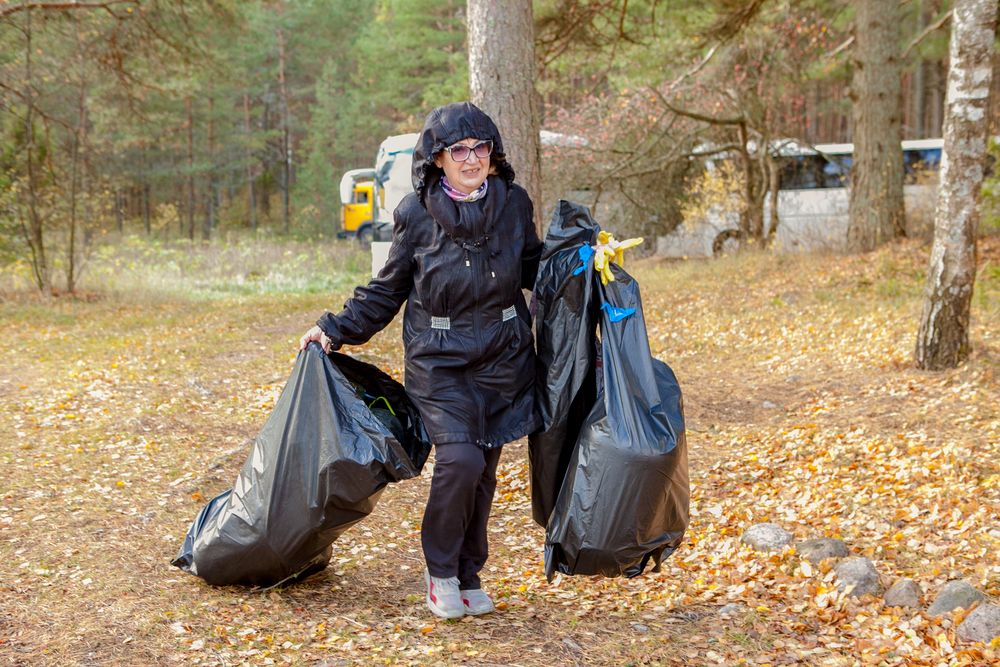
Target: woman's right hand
(315,334)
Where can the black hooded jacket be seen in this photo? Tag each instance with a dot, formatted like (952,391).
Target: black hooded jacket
(472,373)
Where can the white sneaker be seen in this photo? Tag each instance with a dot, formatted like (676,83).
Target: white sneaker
(443,598)
(476,602)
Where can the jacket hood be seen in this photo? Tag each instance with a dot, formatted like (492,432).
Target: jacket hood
(445,126)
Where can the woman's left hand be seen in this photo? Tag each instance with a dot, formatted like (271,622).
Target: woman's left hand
(315,334)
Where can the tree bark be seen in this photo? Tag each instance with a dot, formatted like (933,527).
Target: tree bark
(773,170)
(209,220)
(146,203)
(943,337)
(876,195)
(286,146)
(252,199)
(918,96)
(36,233)
(75,185)
(501,79)
(190,169)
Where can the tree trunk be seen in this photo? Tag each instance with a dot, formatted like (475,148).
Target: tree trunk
(943,338)
(286,146)
(937,99)
(774,183)
(146,205)
(209,220)
(74,186)
(501,78)
(35,234)
(190,169)
(919,83)
(876,205)
(119,218)
(249,158)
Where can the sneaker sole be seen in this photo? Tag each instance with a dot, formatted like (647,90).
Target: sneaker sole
(480,613)
(440,613)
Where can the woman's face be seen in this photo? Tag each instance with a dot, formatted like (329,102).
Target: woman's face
(468,174)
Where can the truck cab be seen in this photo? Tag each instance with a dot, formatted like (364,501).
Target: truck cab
(359,206)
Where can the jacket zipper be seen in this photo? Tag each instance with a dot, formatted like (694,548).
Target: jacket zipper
(477,330)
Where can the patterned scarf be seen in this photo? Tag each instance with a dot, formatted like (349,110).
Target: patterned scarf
(457,195)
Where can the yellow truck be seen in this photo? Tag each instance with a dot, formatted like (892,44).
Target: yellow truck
(369,196)
(359,208)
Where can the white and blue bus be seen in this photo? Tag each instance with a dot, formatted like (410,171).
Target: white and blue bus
(813,201)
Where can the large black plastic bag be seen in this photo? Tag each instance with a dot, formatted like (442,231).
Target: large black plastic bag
(612,489)
(565,322)
(317,467)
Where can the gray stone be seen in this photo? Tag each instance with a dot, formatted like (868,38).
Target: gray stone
(770,405)
(639,627)
(982,625)
(859,575)
(766,537)
(821,548)
(732,608)
(955,594)
(904,593)
(793,378)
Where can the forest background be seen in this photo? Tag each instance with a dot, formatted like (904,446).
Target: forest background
(200,119)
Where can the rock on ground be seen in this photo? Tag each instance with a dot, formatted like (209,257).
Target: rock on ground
(732,608)
(766,537)
(821,548)
(904,593)
(955,594)
(982,625)
(859,573)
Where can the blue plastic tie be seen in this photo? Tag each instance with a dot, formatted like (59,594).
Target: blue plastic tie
(616,314)
(586,253)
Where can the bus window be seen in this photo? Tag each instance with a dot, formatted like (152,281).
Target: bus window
(814,172)
(801,172)
(920,161)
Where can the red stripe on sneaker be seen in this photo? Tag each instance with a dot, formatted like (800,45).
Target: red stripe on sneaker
(431,593)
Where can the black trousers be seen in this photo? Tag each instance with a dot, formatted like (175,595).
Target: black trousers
(453,533)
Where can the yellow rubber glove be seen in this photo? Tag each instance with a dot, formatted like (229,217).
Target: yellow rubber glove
(608,250)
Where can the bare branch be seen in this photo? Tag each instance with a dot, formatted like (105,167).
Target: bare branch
(927,31)
(846,44)
(694,70)
(694,115)
(106,5)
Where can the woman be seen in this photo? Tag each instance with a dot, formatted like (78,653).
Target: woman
(464,246)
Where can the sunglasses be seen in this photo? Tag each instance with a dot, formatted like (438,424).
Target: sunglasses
(461,152)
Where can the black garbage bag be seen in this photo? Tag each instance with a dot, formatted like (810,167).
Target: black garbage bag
(609,469)
(565,321)
(624,499)
(339,433)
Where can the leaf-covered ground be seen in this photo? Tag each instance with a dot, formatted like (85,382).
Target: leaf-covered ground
(119,418)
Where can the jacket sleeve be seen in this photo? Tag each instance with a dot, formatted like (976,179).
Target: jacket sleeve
(374,305)
(532,252)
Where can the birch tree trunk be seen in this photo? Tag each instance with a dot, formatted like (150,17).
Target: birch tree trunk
(943,338)
(876,206)
(501,78)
